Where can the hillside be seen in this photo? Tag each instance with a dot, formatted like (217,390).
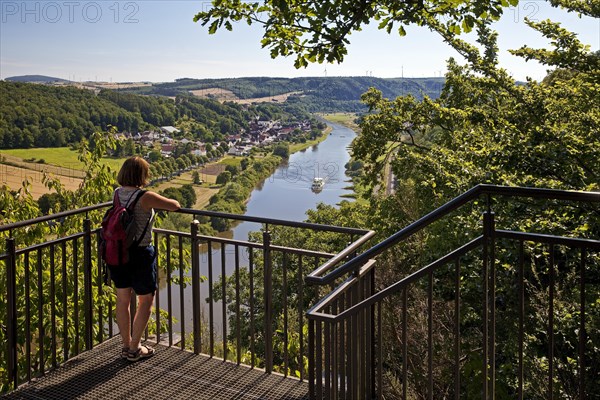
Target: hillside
(33,115)
(50,115)
(35,79)
(318,94)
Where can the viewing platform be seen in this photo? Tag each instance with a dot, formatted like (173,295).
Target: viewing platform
(170,374)
(310,311)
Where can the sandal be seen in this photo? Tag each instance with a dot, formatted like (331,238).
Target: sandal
(125,352)
(134,355)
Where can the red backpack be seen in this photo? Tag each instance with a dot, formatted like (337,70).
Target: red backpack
(118,230)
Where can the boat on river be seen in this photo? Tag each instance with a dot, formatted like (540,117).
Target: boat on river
(317,184)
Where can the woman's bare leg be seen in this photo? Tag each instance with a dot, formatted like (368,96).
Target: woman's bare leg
(141,319)
(123,315)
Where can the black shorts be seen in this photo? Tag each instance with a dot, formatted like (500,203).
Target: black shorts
(139,273)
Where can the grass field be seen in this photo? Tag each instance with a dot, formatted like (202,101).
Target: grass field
(60,156)
(231,160)
(17,165)
(346,119)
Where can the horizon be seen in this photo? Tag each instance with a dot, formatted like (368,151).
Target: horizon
(223,78)
(157,41)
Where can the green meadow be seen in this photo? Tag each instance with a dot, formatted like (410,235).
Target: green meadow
(59,156)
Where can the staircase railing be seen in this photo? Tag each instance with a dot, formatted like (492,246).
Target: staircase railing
(483,321)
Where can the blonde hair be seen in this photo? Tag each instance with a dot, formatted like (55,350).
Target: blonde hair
(134,172)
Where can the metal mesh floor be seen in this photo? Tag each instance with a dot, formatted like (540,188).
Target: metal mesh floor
(170,374)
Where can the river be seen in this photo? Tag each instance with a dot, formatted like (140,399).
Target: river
(286,195)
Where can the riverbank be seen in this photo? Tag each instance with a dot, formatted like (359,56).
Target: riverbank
(349,120)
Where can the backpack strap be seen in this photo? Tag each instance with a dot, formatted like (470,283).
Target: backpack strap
(131,206)
(136,196)
(116,201)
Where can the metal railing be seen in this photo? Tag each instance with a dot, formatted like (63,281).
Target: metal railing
(452,326)
(226,298)
(247,301)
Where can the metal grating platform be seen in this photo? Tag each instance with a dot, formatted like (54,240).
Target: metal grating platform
(170,374)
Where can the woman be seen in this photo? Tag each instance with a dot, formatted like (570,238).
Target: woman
(139,275)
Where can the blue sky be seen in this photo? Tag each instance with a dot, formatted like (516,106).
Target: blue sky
(157,40)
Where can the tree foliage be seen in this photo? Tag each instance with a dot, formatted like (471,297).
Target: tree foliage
(484,128)
(318,31)
(487,128)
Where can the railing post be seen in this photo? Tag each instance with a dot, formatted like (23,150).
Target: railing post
(87,282)
(372,336)
(268,285)
(489,359)
(311,358)
(11,311)
(196,287)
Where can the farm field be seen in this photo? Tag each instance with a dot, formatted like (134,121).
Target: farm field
(35,167)
(227,95)
(58,156)
(13,177)
(60,162)
(63,163)
(346,119)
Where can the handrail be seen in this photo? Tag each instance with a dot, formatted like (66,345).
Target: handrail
(191,211)
(539,193)
(51,217)
(442,211)
(395,238)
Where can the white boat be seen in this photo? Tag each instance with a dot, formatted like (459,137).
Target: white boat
(317,184)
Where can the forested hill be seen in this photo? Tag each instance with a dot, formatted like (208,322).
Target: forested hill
(316,93)
(33,115)
(36,79)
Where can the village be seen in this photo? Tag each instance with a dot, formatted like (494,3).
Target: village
(259,134)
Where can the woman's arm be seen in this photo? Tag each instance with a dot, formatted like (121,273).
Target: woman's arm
(152,200)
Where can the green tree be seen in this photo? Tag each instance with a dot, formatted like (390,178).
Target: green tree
(49,202)
(223,178)
(196,178)
(129,147)
(154,156)
(282,150)
(189,195)
(174,193)
(317,31)
(234,170)
(486,128)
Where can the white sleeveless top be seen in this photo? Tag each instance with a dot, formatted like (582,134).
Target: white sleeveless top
(127,195)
